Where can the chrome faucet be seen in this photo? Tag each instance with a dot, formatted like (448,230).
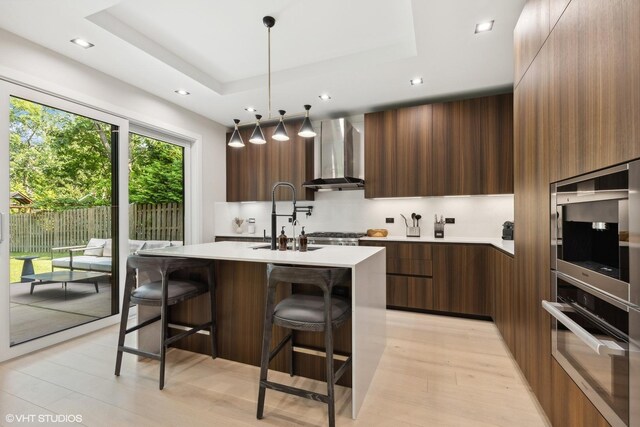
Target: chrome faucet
(275,215)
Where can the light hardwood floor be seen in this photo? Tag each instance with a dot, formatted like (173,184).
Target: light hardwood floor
(436,371)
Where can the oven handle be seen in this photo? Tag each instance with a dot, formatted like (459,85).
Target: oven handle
(600,347)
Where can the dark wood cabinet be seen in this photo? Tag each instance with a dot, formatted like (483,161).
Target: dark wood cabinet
(380,154)
(453,278)
(473,146)
(460,279)
(503,291)
(413,151)
(530,33)
(594,66)
(252,170)
(455,148)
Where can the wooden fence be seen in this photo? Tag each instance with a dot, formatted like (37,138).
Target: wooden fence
(38,232)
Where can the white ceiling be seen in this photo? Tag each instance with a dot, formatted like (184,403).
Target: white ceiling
(362,52)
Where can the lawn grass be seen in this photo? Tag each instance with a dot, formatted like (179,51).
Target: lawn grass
(40,265)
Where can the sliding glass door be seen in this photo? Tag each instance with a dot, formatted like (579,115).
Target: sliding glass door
(62,188)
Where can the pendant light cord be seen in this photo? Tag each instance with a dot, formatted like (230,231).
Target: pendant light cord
(269,65)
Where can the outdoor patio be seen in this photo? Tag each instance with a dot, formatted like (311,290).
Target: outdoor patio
(51,309)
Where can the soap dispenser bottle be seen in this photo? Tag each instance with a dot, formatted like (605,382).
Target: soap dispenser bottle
(303,241)
(282,240)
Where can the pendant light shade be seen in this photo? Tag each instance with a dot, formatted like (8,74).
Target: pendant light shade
(306,130)
(257,137)
(280,134)
(236,139)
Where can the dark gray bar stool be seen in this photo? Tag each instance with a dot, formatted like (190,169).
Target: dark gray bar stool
(163,293)
(304,313)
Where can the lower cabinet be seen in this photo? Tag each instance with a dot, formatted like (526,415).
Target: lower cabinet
(469,279)
(409,292)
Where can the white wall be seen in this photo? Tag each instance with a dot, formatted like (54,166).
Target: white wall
(27,63)
(476,216)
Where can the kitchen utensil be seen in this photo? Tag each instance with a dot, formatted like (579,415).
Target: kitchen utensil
(413,218)
(418,218)
(406,223)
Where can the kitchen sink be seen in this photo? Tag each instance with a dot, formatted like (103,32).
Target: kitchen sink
(309,248)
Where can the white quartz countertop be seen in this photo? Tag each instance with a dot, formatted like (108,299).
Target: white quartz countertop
(333,256)
(504,245)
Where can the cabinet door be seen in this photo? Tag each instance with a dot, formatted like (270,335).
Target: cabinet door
(595,64)
(380,154)
(413,151)
(238,180)
(530,33)
(473,146)
(409,292)
(460,279)
(504,311)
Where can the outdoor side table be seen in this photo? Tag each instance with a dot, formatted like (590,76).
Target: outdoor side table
(27,266)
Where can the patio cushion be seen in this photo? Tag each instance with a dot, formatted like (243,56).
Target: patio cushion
(98,244)
(60,262)
(107,248)
(102,264)
(135,245)
(83,262)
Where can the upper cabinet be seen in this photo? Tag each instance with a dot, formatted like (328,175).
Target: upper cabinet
(456,148)
(379,154)
(253,169)
(473,146)
(530,33)
(594,82)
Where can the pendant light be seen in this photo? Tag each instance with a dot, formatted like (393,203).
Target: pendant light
(236,139)
(280,134)
(306,130)
(257,137)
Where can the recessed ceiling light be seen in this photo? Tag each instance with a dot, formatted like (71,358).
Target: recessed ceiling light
(82,43)
(325,97)
(250,109)
(416,81)
(182,92)
(484,26)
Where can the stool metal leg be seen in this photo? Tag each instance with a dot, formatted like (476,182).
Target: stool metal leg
(163,333)
(328,343)
(212,296)
(123,323)
(266,344)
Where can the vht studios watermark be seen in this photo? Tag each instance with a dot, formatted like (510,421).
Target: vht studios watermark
(43,418)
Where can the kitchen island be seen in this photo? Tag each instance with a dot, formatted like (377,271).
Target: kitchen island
(240,299)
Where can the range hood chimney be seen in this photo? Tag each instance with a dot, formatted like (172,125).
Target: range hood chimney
(340,153)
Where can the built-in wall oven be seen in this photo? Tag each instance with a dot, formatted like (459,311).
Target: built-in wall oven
(595,241)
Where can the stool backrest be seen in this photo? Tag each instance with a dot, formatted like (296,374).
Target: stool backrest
(323,277)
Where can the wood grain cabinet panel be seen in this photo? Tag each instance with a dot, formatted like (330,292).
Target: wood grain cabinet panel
(473,146)
(595,64)
(253,169)
(380,154)
(410,292)
(530,33)
(413,151)
(460,281)
(503,291)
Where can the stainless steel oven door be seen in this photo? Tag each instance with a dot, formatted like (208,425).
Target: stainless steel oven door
(590,340)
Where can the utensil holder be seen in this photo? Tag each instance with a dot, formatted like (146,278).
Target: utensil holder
(438,230)
(413,231)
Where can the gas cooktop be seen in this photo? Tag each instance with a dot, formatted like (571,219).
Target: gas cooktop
(336,235)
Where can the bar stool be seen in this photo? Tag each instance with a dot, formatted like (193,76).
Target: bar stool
(163,293)
(304,313)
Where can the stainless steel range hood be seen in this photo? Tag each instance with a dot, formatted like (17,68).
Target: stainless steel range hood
(340,157)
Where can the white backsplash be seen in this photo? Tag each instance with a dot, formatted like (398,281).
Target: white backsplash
(476,216)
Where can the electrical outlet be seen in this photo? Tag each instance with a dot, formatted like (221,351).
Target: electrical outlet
(389,220)
(290,219)
(449,220)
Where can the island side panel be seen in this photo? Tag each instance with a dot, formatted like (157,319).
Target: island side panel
(369,323)
(240,301)
(240,304)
